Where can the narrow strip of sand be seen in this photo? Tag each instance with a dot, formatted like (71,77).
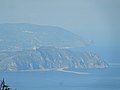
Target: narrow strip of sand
(74,72)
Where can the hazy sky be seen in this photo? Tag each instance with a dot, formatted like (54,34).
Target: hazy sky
(98,20)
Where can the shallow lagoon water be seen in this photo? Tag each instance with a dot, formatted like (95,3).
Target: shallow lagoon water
(97,79)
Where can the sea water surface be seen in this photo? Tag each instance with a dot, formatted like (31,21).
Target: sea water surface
(96,79)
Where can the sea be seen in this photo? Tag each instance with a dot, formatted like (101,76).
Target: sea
(95,79)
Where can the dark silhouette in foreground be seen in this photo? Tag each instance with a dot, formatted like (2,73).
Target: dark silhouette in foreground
(3,86)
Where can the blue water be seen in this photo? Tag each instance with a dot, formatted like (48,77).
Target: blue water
(97,79)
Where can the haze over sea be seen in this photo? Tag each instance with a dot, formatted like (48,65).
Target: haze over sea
(97,79)
(94,20)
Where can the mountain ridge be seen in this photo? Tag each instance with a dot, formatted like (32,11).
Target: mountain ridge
(22,35)
(34,47)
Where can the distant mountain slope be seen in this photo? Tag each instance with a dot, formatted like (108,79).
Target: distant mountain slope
(25,36)
(50,58)
(33,47)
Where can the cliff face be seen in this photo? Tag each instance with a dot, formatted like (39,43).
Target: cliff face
(48,58)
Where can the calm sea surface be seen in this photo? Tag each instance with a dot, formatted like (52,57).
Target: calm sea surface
(97,79)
